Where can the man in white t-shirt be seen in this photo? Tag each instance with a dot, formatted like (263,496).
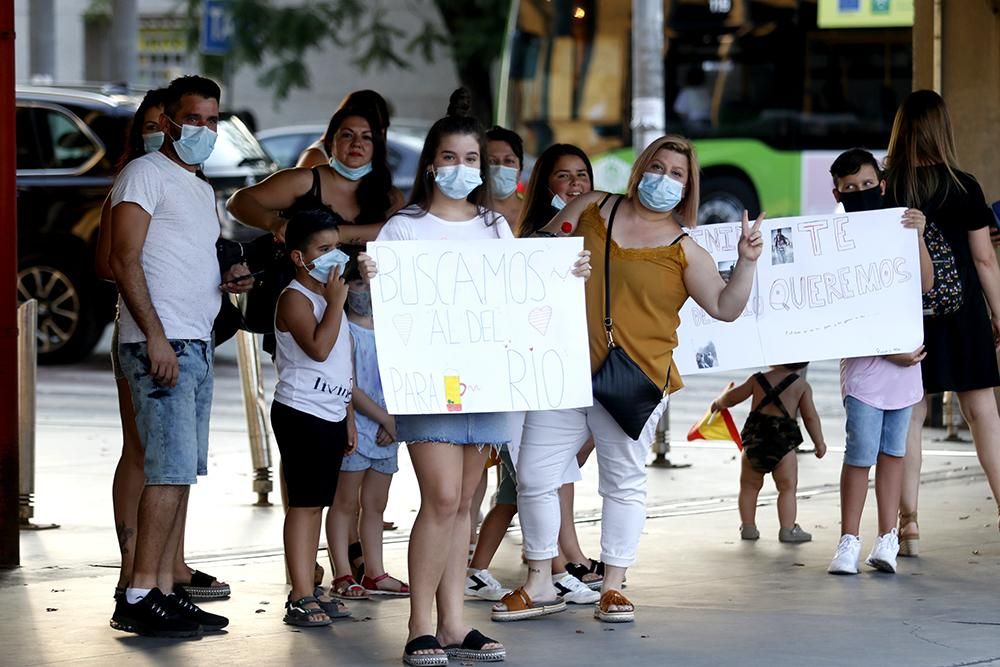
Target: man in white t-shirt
(164,230)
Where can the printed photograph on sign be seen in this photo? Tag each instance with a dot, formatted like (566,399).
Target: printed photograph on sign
(726,270)
(782,248)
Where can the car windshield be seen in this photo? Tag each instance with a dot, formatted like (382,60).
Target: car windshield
(236,147)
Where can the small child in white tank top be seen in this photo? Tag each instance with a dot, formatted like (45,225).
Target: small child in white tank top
(312,417)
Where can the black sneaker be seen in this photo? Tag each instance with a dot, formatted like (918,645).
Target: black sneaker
(182,604)
(120,620)
(154,616)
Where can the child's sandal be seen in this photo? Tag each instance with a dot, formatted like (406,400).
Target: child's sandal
(299,615)
(346,588)
(371,586)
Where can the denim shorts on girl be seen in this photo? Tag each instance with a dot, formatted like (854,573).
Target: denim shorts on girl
(172,421)
(478,428)
(872,431)
(358,462)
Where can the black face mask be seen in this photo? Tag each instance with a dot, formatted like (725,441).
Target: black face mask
(862,200)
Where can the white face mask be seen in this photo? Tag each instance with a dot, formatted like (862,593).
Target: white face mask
(558,203)
(504,180)
(457,181)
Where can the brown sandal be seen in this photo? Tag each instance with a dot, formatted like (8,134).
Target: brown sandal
(909,544)
(518,606)
(613,598)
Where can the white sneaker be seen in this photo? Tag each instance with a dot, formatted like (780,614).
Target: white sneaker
(481,584)
(573,590)
(846,559)
(883,555)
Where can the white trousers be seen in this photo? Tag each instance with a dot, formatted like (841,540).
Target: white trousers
(550,441)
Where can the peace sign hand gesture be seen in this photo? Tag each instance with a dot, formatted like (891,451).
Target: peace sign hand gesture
(751,241)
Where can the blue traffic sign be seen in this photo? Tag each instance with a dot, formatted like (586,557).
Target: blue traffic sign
(216,27)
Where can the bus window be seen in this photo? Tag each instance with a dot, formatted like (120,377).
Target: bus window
(767,94)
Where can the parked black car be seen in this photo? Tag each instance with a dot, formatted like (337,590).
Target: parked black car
(68,143)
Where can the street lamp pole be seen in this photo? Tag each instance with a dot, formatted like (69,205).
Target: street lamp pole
(648,111)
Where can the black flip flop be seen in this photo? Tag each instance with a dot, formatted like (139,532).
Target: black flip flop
(471,648)
(424,643)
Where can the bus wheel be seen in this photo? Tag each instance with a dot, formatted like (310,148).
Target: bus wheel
(723,199)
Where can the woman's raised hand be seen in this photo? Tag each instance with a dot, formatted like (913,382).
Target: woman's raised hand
(751,241)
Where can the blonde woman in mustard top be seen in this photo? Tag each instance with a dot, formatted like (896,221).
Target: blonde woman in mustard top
(655,268)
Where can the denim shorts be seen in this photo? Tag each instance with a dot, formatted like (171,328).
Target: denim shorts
(873,431)
(476,428)
(172,421)
(358,462)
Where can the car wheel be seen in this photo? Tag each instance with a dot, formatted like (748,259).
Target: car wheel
(724,198)
(66,326)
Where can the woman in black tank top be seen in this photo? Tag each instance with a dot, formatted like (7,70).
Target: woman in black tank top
(355,184)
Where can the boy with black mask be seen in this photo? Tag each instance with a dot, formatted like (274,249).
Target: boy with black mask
(878,392)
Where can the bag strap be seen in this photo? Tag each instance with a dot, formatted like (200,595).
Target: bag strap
(608,322)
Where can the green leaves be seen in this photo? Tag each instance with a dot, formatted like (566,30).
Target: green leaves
(280,37)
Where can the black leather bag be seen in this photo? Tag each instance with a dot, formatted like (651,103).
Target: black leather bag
(620,386)
(273,270)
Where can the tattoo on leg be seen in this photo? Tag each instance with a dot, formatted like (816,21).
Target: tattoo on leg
(534,570)
(124,535)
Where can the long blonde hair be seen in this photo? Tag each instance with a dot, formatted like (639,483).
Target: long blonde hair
(687,210)
(921,136)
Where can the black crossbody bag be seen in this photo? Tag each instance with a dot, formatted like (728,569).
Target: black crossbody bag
(620,386)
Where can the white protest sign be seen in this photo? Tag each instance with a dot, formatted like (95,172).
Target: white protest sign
(480,326)
(826,287)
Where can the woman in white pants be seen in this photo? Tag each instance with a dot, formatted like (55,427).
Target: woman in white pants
(655,267)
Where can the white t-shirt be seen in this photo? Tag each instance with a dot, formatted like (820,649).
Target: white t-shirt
(319,388)
(429,227)
(178,257)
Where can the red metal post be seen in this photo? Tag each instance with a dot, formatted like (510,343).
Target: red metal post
(10,552)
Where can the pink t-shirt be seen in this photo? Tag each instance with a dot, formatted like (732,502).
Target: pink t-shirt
(880,383)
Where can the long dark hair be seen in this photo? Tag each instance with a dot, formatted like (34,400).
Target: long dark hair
(374,188)
(368,99)
(538,209)
(457,121)
(921,135)
(134,146)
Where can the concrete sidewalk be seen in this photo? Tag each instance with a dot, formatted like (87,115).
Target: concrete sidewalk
(703,598)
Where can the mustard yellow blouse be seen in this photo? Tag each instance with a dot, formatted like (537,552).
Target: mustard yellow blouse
(647,292)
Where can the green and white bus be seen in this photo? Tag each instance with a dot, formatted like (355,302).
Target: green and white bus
(770,90)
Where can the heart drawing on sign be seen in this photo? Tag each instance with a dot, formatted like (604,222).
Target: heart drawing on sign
(539,318)
(404,327)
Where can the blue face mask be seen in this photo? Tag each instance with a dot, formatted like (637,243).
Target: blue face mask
(558,203)
(322,267)
(457,181)
(151,142)
(659,192)
(195,143)
(504,180)
(355,174)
